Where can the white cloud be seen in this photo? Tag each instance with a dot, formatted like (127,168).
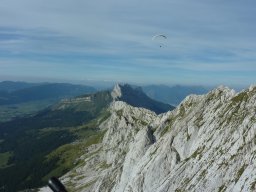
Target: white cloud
(202,35)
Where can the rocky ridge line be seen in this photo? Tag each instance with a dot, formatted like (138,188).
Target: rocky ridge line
(208,143)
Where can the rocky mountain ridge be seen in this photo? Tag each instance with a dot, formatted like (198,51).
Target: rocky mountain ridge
(132,96)
(135,96)
(208,143)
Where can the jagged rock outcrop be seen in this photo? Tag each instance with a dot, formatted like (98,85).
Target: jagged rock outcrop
(116,92)
(208,143)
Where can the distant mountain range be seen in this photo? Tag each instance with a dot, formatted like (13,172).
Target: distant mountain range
(19,92)
(10,86)
(172,95)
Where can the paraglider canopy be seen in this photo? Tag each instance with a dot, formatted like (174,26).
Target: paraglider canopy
(159,39)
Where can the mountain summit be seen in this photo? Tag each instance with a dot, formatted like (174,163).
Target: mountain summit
(135,96)
(206,144)
(126,93)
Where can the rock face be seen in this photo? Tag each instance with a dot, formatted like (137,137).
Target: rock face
(135,96)
(116,92)
(208,143)
(132,96)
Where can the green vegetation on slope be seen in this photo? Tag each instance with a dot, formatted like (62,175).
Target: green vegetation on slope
(65,157)
(4,158)
(48,143)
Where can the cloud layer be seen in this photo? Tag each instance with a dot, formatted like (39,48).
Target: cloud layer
(208,41)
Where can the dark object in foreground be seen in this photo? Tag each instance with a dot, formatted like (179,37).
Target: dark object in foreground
(56,185)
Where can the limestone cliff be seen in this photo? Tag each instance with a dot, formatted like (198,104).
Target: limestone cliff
(208,143)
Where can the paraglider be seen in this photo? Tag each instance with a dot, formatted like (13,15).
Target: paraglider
(159,39)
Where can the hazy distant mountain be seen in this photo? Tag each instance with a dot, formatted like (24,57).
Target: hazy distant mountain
(135,96)
(172,95)
(40,92)
(10,86)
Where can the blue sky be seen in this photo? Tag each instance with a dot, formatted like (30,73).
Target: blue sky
(209,42)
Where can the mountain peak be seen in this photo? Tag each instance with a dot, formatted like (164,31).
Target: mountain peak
(116,92)
(224,88)
(134,96)
(252,87)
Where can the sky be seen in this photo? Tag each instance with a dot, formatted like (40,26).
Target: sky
(209,42)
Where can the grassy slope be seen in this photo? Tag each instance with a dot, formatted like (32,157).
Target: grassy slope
(4,157)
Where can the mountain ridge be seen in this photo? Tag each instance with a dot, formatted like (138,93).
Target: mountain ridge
(25,92)
(137,98)
(206,144)
(10,86)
